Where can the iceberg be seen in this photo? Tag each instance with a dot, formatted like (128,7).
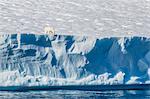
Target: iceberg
(55,60)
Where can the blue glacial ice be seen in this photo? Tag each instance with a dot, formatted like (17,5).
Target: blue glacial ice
(34,60)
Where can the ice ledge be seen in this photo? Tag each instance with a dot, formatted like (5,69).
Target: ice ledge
(100,35)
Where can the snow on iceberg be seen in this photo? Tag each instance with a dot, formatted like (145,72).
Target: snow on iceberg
(34,60)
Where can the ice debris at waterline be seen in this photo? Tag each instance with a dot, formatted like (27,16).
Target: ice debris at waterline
(33,60)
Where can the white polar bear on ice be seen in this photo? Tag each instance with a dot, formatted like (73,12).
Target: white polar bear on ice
(49,30)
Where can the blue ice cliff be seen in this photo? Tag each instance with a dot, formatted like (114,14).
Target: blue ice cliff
(31,60)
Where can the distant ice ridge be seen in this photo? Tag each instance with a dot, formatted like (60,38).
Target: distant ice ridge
(34,60)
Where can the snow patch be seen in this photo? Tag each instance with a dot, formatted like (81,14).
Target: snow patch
(122,42)
(133,80)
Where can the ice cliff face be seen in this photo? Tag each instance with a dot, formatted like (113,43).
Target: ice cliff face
(27,59)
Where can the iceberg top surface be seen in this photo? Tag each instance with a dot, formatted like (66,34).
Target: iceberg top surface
(111,17)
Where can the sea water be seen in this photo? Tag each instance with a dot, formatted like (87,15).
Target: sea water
(75,94)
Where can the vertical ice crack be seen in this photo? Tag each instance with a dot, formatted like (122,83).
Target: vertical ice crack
(18,40)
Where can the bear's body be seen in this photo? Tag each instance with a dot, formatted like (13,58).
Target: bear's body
(49,30)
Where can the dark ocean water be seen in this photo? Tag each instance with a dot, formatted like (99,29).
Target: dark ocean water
(74,94)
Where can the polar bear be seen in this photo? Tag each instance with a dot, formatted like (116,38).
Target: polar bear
(49,30)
